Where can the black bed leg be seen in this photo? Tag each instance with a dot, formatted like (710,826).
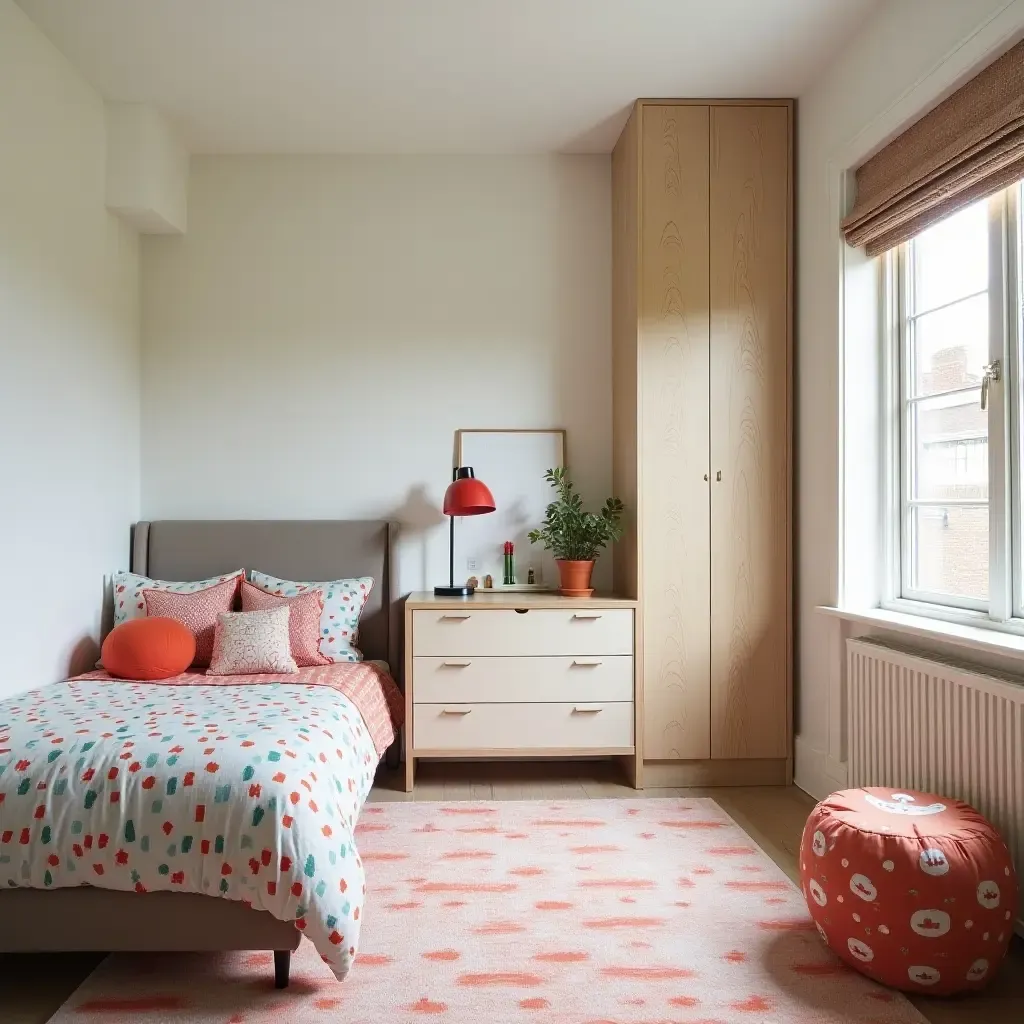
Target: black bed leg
(282,962)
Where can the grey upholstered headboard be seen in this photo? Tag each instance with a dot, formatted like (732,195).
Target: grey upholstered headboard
(315,549)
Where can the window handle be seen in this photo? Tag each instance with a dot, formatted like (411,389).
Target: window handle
(993,372)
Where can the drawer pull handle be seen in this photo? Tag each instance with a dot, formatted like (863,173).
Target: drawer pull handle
(455,618)
(587,662)
(456,664)
(586,709)
(456,711)
(587,616)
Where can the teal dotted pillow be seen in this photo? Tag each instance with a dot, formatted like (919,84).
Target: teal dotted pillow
(339,621)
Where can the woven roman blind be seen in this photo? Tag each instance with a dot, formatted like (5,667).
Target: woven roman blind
(970,146)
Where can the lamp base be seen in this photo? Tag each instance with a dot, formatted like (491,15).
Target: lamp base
(453,591)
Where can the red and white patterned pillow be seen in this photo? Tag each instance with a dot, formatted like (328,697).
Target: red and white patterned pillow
(128,588)
(252,642)
(303,621)
(339,621)
(198,611)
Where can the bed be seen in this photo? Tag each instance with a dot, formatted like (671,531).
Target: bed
(257,874)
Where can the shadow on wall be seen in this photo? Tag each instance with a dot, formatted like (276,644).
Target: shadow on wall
(601,135)
(580,366)
(85,652)
(418,517)
(84,656)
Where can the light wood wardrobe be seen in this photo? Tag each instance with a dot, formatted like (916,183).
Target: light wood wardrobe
(702,353)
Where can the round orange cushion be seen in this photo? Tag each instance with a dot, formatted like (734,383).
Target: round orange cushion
(912,889)
(150,648)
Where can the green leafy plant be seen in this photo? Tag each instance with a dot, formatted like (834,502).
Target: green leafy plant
(568,531)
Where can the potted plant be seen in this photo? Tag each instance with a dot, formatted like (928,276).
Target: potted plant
(574,536)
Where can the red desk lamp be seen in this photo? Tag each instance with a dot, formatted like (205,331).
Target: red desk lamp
(466,496)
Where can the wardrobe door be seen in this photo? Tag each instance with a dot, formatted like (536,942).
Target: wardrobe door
(674,425)
(750,314)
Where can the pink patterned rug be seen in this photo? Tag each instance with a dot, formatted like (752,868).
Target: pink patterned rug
(580,912)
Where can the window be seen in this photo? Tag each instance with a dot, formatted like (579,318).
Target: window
(957,295)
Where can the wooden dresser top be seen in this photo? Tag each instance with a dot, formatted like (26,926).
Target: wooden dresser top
(483,599)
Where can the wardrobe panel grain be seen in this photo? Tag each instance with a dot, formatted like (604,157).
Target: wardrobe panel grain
(750,504)
(674,430)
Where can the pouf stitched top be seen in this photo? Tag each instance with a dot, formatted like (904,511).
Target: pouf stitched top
(912,889)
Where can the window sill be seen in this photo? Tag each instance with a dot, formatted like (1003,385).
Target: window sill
(976,638)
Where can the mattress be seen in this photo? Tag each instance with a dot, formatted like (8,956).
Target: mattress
(243,788)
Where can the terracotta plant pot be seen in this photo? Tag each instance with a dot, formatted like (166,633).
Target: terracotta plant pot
(575,577)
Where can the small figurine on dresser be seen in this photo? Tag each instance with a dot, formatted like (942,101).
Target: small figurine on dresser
(531,577)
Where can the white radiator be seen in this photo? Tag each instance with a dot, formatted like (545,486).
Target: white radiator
(919,722)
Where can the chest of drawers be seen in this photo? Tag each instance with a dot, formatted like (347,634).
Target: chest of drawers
(519,675)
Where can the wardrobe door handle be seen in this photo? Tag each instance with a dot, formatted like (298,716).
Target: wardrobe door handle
(587,709)
(456,711)
(718,476)
(456,664)
(586,662)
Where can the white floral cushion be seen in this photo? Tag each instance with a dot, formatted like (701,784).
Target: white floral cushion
(128,587)
(339,621)
(250,642)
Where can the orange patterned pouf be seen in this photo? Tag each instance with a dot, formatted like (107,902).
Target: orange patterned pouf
(912,889)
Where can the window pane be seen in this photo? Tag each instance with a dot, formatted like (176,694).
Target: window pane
(949,448)
(949,550)
(950,260)
(950,346)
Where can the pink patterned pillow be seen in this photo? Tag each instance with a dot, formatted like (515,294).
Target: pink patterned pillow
(303,623)
(247,643)
(197,611)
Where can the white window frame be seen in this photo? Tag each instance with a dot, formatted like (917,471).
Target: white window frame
(1004,610)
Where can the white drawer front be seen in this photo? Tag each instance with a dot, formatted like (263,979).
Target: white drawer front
(520,680)
(511,727)
(539,631)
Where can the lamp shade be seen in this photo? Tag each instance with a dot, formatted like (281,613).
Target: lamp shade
(467,496)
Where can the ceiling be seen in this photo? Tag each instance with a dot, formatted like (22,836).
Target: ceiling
(433,76)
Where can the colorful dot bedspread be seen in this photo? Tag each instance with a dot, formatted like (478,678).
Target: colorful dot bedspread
(243,787)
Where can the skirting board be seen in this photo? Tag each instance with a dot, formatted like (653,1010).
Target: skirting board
(816,773)
(726,772)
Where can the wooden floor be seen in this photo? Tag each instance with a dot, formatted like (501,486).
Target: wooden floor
(32,987)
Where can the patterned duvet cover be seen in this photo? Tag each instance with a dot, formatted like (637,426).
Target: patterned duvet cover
(239,787)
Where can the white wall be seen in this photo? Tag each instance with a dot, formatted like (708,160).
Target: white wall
(69,364)
(905,60)
(327,323)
